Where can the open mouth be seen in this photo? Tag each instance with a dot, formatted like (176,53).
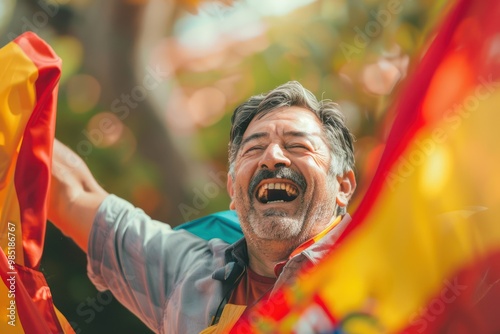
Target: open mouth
(277,192)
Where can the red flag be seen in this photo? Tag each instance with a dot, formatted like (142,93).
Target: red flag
(422,254)
(28,98)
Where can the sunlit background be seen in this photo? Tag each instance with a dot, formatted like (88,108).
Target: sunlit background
(148,88)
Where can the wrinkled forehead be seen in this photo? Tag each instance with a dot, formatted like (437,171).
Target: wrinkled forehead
(285,119)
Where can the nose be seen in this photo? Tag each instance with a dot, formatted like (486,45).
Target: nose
(274,157)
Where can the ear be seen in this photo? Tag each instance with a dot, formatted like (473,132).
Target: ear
(347,185)
(230,191)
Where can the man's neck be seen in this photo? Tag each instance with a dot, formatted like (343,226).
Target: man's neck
(264,256)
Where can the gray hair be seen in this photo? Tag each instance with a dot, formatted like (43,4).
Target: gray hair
(338,137)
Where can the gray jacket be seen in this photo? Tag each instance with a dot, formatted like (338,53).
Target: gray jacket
(172,280)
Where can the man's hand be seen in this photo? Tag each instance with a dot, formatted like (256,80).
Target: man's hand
(74,195)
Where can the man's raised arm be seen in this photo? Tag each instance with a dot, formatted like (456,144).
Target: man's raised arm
(74,195)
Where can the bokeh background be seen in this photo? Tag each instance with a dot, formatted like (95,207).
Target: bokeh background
(148,88)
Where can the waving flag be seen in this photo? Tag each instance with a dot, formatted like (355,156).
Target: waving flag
(422,254)
(29,76)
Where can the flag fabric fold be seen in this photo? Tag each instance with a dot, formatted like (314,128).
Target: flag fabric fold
(422,254)
(29,78)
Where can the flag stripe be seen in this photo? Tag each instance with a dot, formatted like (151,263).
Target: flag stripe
(407,124)
(424,240)
(458,308)
(27,315)
(38,293)
(36,150)
(28,91)
(17,99)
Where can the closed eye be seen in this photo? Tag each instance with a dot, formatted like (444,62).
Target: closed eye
(254,148)
(297,147)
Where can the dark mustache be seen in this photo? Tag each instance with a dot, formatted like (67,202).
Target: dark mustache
(280,173)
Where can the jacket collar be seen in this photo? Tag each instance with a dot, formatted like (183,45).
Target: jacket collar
(236,255)
(317,251)
(236,259)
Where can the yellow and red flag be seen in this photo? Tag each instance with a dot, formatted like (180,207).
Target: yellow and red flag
(29,76)
(422,254)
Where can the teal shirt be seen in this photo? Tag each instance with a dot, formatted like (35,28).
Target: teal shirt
(223,225)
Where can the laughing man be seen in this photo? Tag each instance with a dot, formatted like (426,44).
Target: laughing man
(290,179)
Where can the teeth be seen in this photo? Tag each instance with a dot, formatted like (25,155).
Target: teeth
(263,193)
(290,189)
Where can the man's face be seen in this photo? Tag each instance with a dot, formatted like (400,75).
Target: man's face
(281,186)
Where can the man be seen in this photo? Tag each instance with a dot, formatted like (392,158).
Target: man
(290,179)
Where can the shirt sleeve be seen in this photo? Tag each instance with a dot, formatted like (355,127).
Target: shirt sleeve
(138,259)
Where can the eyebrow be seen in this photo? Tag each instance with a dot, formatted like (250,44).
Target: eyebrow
(300,134)
(254,136)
